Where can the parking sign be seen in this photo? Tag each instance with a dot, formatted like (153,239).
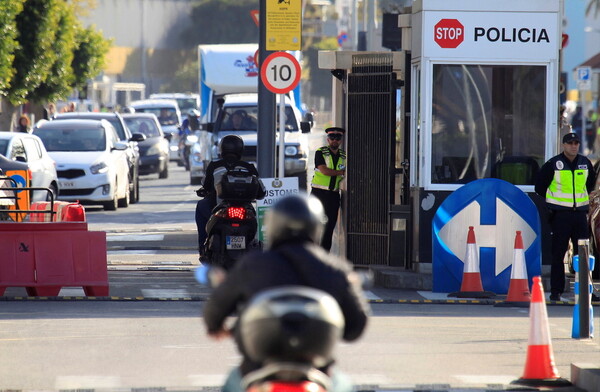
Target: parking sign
(584,78)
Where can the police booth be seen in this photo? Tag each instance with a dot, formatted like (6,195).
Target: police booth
(484,99)
(472,94)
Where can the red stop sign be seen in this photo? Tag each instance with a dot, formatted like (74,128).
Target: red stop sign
(449,33)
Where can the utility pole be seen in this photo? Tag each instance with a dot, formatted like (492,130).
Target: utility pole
(266,106)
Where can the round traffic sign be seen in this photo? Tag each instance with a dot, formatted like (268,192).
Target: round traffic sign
(280,72)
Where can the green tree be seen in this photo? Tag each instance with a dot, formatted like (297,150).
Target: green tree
(8,44)
(222,22)
(89,55)
(37,25)
(59,81)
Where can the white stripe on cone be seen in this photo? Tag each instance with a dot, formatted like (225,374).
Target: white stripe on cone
(539,331)
(471,259)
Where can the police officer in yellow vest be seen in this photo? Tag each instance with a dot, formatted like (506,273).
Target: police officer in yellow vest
(566,181)
(330,167)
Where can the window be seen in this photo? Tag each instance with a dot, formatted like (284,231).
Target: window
(487,121)
(34,152)
(18,150)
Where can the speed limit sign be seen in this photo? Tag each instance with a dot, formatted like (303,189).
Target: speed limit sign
(280,72)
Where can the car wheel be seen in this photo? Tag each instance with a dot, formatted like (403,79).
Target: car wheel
(302,177)
(124,202)
(111,205)
(135,191)
(54,191)
(164,173)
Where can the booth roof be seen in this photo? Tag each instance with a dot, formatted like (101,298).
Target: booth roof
(593,62)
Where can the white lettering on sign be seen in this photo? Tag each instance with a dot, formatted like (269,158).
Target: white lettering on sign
(448,33)
(524,34)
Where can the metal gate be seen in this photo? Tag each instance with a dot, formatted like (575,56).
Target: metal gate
(371,102)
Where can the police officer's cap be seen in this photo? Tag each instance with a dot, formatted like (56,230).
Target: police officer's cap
(335,129)
(570,137)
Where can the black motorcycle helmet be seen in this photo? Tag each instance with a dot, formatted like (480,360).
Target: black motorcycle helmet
(231,148)
(295,218)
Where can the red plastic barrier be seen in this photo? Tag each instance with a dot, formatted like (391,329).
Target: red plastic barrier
(40,216)
(64,211)
(73,212)
(44,257)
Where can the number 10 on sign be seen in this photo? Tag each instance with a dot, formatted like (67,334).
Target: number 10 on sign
(280,73)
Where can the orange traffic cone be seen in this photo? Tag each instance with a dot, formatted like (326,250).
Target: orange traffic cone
(471,286)
(518,290)
(539,367)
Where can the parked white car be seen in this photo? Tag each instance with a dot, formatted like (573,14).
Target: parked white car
(28,148)
(91,162)
(169,117)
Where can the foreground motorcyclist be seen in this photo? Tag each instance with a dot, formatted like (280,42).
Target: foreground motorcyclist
(231,149)
(294,226)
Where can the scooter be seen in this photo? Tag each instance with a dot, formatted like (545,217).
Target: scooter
(292,330)
(233,224)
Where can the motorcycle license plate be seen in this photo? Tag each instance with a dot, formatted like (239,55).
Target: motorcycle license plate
(236,242)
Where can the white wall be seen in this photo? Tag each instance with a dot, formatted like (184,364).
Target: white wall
(142,23)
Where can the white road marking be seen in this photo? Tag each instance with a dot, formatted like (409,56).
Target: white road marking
(87,382)
(485,379)
(433,296)
(72,292)
(132,252)
(207,380)
(165,293)
(134,237)
(371,379)
(371,297)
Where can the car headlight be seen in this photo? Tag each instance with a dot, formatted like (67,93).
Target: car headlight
(154,150)
(291,150)
(100,167)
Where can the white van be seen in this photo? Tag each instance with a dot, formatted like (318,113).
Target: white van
(246,106)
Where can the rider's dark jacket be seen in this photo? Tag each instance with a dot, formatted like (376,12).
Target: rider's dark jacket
(216,169)
(299,263)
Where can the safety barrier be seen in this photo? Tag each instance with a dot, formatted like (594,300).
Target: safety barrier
(43,257)
(59,211)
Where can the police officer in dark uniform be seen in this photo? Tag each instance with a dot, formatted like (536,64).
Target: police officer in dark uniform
(231,149)
(566,181)
(293,227)
(330,167)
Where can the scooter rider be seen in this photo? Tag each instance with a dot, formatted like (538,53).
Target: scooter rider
(294,227)
(231,149)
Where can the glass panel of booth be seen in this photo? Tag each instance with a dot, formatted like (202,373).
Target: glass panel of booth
(487,121)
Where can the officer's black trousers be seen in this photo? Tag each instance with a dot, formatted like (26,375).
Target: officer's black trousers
(331,204)
(566,225)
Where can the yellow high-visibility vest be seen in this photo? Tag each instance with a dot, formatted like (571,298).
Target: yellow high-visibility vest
(323,181)
(568,188)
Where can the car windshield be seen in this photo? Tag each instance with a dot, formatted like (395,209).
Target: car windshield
(166,116)
(113,120)
(3,146)
(73,139)
(143,125)
(244,118)
(185,104)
